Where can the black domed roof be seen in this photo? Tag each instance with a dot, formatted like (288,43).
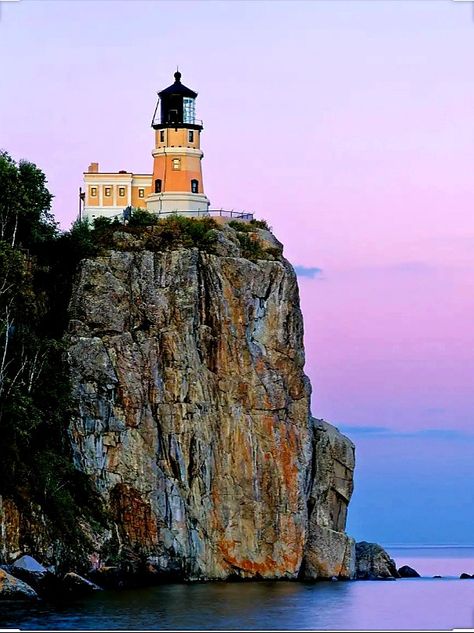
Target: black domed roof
(177,88)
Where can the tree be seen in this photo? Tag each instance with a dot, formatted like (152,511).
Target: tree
(25,203)
(37,265)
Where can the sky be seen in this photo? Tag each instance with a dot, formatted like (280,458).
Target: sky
(348,125)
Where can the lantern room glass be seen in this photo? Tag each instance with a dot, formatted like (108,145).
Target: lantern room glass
(188,110)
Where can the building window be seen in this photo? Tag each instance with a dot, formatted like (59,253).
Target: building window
(194,186)
(141,193)
(121,191)
(157,186)
(162,136)
(93,192)
(190,136)
(176,163)
(108,192)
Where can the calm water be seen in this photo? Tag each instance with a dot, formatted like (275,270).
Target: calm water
(424,603)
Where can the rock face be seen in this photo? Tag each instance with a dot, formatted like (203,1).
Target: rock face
(193,416)
(329,551)
(373,562)
(10,520)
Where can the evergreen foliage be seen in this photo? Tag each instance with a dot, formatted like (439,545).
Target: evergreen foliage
(25,203)
(37,264)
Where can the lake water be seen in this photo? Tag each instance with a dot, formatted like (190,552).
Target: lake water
(420,603)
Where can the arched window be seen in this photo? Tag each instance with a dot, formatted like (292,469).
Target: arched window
(158,185)
(194,186)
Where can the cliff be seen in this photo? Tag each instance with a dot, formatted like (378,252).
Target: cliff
(193,414)
(191,417)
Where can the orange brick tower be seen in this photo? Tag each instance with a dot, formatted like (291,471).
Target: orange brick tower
(177,176)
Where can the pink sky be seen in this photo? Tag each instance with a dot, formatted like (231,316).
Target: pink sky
(348,125)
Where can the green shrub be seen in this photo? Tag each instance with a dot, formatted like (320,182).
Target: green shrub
(101,223)
(248,227)
(241,227)
(274,252)
(251,249)
(177,230)
(260,224)
(140,217)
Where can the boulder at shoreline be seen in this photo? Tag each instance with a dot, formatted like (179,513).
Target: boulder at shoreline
(408,572)
(373,563)
(77,585)
(12,588)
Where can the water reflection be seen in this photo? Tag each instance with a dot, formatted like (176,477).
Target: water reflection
(262,605)
(401,604)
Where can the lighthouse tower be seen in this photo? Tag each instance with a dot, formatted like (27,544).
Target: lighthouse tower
(177,176)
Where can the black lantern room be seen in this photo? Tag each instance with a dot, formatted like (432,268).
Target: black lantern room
(176,107)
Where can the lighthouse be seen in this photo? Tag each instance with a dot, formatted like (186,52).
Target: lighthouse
(177,184)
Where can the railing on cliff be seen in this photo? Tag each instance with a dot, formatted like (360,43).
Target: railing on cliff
(126,214)
(238,215)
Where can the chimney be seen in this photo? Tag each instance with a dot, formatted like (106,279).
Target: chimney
(93,168)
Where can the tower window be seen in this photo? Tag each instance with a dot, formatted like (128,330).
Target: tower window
(93,192)
(121,191)
(190,136)
(157,186)
(176,164)
(108,191)
(141,193)
(194,186)
(162,136)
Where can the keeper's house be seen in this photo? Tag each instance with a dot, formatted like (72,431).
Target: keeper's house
(109,193)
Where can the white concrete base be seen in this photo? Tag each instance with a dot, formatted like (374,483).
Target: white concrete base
(191,203)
